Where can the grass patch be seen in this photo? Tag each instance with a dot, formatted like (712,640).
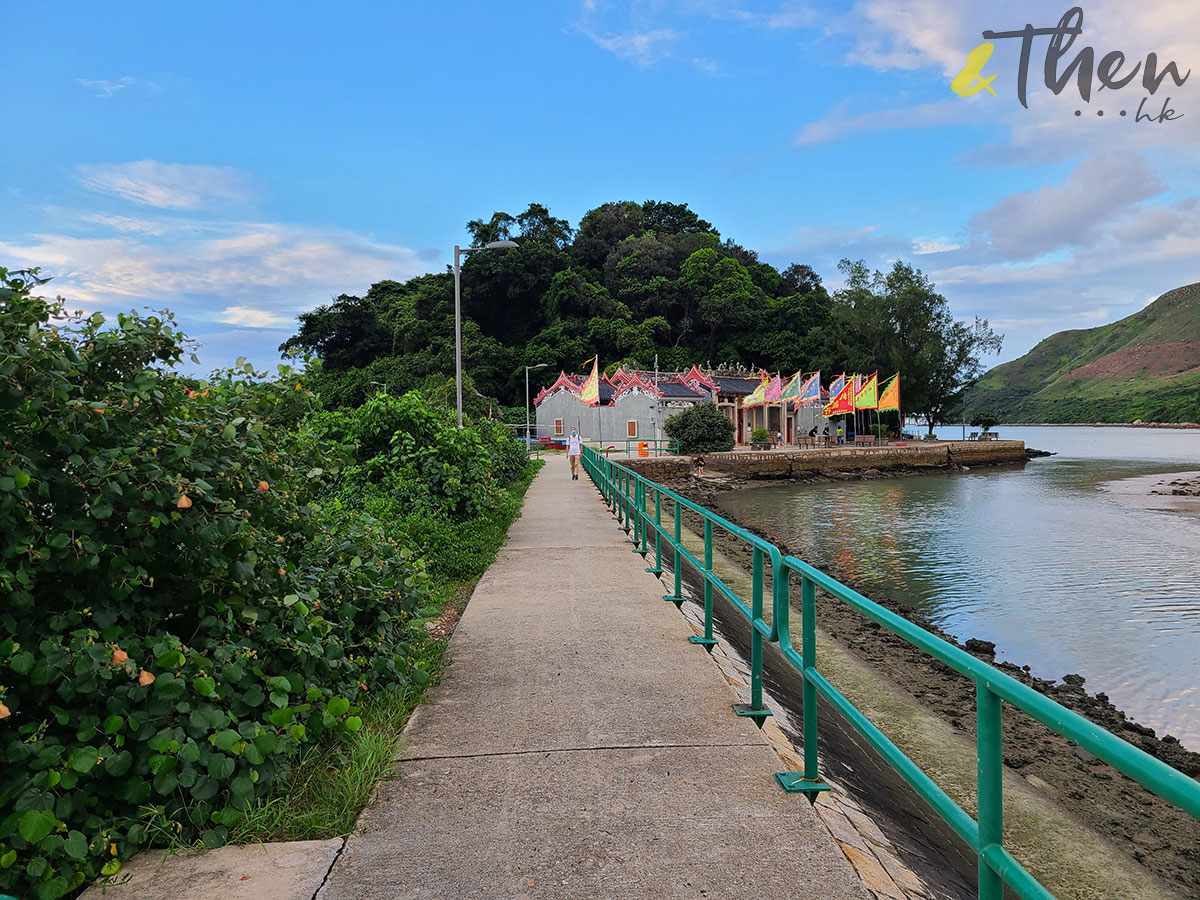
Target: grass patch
(330,785)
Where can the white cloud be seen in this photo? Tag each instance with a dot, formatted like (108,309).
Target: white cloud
(272,268)
(104,87)
(642,48)
(910,34)
(837,125)
(127,224)
(933,245)
(1029,224)
(166,185)
(251,318)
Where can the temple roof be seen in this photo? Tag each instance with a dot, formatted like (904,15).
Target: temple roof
(736,387)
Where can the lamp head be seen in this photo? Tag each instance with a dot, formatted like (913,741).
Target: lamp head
(500,245)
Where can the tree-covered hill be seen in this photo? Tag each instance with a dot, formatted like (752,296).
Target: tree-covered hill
(1145,366)
(634,281)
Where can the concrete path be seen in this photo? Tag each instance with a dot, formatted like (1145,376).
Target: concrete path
(580,747)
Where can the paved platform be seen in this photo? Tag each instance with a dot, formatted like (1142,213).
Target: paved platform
(580,747)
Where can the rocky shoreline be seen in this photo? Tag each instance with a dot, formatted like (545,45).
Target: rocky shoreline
(1162,838)
(1180,487)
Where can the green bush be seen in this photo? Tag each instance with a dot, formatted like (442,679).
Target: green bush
(700,429)
(184,606)
(420,456)
(985,421)
(760,436)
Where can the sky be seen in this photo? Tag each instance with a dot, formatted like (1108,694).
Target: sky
(241,163)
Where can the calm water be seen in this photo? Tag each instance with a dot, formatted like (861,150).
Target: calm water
(1057,563)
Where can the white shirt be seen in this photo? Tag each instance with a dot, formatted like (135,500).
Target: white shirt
(574,445)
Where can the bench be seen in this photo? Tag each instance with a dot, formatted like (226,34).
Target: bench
(973,436)
(988,436)
(860,439)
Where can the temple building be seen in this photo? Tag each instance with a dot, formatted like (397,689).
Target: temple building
(635,404)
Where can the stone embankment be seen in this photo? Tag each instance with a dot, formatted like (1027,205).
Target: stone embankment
(797,463)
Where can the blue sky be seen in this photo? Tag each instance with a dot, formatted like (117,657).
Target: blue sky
(239,163)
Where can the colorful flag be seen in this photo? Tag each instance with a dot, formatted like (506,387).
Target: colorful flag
(842,403)
(889,397)
(812,388)
(590,392)
(755,398)
(838,384)
(791,390)
(867,396)
(774,390)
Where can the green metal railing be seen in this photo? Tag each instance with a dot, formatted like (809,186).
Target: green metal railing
(637,504)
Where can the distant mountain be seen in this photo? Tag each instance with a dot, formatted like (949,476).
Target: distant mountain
(1146,366)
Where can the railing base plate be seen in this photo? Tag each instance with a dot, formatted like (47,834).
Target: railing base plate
(655,572)
(678,601)
(706,643)
(749,712)
(794,783)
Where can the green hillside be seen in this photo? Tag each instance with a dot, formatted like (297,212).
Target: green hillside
(1146,366)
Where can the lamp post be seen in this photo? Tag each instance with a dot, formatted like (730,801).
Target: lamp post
(460,252)
(527,368)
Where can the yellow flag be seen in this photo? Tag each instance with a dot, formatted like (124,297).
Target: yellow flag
(590,392)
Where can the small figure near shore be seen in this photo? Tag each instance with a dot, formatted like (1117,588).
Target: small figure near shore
(574,451)
(779,438)
(698,466)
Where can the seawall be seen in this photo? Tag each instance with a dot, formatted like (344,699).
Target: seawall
(796,463)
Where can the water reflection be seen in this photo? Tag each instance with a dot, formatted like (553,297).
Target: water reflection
(1047,563)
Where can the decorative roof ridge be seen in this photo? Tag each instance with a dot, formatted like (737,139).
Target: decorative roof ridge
(563,381)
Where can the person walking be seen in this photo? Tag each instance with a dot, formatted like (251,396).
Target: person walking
(574,451)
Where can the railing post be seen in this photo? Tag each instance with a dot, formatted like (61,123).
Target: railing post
(628,477)
(657,570)
(643,518)
(809,781)
(707,641)
(990,814)
(639,492)
(755,709)
(677,597)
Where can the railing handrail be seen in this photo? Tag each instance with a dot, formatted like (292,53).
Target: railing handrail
(628,493)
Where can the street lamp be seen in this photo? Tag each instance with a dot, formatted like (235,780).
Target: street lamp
(458,253)
(527,368)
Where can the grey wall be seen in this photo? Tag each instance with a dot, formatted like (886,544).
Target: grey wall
(607,424)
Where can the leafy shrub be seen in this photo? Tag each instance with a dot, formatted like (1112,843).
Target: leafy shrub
(418,455)
(985,421)
(184,608)
(760,435)
(878,429)
(700,429)
(508,457)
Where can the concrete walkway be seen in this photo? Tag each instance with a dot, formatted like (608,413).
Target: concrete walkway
(580,747)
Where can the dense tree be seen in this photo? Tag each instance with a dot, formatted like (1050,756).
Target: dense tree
(634,282)
(897,321)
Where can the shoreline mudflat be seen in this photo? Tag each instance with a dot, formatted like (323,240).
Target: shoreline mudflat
(1172,491)
(1148,830)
